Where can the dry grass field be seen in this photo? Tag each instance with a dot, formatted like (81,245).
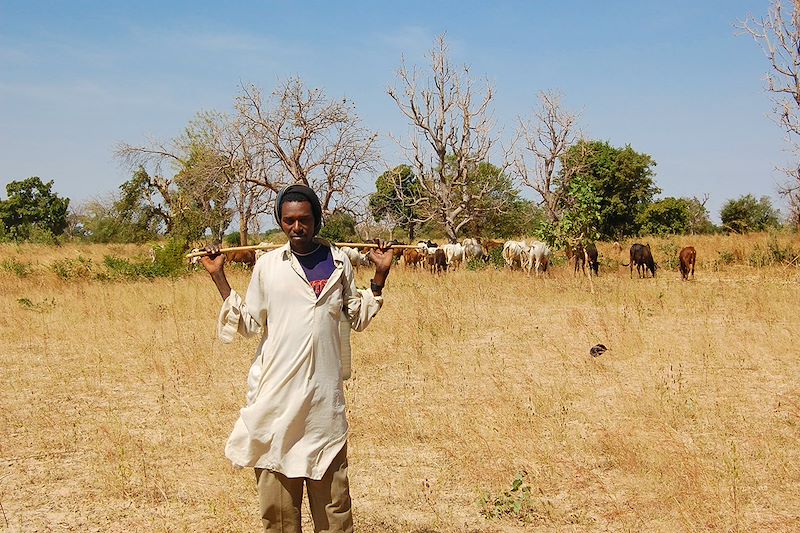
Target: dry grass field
(117,399)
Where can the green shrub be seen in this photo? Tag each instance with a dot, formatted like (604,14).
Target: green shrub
(669,255)
(496,257)
(167,261)
(476,263)
(770,255)
(15,267)
(48,304)
(517,502)
(232,239)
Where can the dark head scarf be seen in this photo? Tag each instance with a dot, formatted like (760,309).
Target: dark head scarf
(308,194)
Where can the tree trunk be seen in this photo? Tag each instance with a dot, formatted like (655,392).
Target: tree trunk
(242,231)
(450,231)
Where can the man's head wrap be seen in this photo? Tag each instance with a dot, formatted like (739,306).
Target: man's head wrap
(307,194)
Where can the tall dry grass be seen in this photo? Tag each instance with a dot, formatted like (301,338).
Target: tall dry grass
(117,400)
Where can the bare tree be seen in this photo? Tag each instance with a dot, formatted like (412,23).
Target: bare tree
(452,135)
(778,34)
(249,170)
(303,137)
(539,147)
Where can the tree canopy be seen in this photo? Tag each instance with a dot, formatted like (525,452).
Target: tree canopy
(33,207)
(623,181)
(745,214)
(394,200)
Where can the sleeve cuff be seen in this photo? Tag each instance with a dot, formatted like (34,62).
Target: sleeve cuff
(229,317)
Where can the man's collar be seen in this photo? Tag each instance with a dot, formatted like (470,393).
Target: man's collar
(286,249)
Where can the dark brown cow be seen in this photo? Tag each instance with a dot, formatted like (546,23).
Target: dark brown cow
(437,261)
(578,257)
(592,254)
(687,258)
(642,257)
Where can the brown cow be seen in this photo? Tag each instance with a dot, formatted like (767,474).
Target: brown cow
(413,257)
(437,261)
(578,257)
(245,257)
(687,258)
(491,244)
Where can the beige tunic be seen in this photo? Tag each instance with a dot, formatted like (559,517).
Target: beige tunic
(295,420)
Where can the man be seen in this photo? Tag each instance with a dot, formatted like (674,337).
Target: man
(294,429)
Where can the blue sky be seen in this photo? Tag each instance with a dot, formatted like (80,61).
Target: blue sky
(672,79)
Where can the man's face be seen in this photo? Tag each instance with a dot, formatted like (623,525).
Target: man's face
(297,222)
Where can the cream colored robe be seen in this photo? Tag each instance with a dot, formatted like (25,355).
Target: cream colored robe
(295,420)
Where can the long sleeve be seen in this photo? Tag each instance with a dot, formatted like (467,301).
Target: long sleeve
(245,317)
(361,305)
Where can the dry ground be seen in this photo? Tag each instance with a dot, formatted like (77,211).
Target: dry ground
(117,400)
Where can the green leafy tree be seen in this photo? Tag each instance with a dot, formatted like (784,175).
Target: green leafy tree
(395,199)
(138,212)
(339,227)
(32,208)
(496,204)
(672,216)
(668,216)
(580,220)
(622,179)
(122,218)
(699,221)
(188,183)
(746,214)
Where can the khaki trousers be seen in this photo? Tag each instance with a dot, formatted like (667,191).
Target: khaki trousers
(280,498)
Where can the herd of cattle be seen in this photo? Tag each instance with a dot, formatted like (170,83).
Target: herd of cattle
(529,256)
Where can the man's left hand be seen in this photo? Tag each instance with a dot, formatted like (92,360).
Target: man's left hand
(381,256)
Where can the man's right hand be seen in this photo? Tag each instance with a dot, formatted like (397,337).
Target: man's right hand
(213,262)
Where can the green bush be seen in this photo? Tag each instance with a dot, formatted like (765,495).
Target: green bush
(669,255)
(517,502)
(476,263)
(167,261)
(232,239)
(772,254)
(15,267)
(496,257)
(339,227)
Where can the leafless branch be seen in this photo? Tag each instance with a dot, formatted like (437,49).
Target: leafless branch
(540,146)
(452,135)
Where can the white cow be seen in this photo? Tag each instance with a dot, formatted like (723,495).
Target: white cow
(538,255)
(427,247)
(515,254)
(454,254)
(472,249)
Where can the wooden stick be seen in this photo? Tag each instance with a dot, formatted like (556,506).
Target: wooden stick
(203,253)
